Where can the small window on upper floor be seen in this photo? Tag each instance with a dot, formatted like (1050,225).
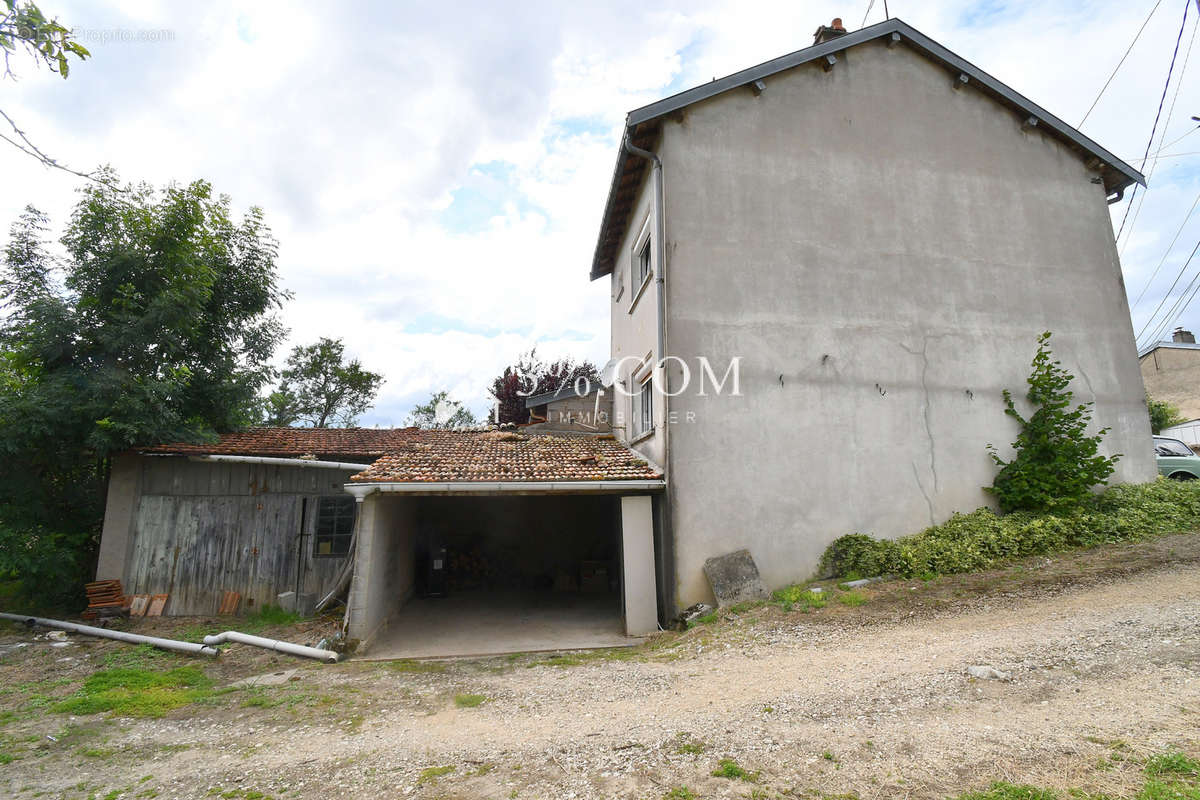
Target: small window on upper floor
(335,526)
(641,263)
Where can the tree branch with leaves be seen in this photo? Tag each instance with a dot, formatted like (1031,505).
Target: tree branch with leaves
(319,388)
(26,30)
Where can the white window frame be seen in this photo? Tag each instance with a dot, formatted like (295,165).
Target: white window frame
(641,407)
(643,244)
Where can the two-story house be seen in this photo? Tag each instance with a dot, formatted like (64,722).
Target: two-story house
(876,231)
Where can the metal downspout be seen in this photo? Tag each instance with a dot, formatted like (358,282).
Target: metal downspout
(660,232)
(659,279)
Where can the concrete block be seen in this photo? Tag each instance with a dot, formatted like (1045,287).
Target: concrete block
(301,604)
(734,578)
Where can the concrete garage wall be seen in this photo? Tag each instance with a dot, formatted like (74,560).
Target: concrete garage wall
(116,539)
(383,564)
(882,251)
(528,538)
(1173,374)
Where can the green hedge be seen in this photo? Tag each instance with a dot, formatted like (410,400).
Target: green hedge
(981,539)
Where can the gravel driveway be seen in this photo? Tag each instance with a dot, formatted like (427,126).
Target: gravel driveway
(1102,659)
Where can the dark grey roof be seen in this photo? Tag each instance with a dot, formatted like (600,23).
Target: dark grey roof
(562,392)
(642,124)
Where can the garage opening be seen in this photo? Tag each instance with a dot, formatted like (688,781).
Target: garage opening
(502,574)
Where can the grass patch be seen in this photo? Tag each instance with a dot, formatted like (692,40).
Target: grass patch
(728,768)
(582,657)
(431,774)
(142,655)
(680,793)
(1173,764)
(689,747)
(982,539)
(1169,776)
(268,617)
(789,597)
(469,700)
(852,598)
(260,699)
(137,692)
(1009,791)
(410,665)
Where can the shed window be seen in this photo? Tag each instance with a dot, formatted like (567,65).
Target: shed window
(335,524)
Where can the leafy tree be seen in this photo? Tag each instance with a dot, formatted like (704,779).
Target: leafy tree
(1056,462)
(25,27)
(156,327)
(320,389)
(1162,414)
(441,411)
(531,376)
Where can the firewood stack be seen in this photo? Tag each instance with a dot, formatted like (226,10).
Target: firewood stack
(105,599)
(470,569)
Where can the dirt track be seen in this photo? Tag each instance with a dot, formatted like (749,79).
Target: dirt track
(871,700)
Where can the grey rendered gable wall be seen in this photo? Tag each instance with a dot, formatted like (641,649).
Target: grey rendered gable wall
(882,251)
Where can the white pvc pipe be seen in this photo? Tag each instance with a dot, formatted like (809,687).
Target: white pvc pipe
(285,462)
(272,644)
(120,636)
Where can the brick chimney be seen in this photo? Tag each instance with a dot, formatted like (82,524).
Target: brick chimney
(832,31)
(1183,337)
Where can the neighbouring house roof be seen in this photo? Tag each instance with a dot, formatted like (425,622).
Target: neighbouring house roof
(505,456)
(407,455)
(642,125)
(1150,348)
(293,442)
(560,394)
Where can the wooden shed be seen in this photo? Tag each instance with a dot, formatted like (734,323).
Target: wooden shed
(259,513)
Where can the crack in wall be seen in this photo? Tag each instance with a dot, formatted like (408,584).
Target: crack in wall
(927,410)
(925,494)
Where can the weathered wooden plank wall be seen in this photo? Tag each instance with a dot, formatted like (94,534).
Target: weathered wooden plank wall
(202,528)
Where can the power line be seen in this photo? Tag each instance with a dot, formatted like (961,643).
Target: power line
(1184,136)
(1170,247)
(1154,128)
(1119,63)
(1175,319)
(1170,115)
(1174,314)
(1175,283)
(870,5)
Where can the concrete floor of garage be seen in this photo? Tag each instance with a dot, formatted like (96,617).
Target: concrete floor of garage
(493,623)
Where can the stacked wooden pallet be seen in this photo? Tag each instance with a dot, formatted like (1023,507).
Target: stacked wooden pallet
(105,599)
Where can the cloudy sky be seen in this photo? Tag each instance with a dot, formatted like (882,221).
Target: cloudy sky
(435,172)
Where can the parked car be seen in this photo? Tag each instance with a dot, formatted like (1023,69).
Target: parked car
(1176,459)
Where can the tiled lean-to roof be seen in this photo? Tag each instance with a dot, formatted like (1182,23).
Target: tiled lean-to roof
(456,456)
(412,455)
(364,443)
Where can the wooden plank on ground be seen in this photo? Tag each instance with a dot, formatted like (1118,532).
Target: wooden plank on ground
(137,608)
(157,603)
(229,603)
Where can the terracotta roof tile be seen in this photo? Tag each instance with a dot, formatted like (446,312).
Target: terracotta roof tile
(292,442)
(408,455)
(507,456)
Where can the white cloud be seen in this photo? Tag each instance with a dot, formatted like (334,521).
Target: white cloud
(364,134)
